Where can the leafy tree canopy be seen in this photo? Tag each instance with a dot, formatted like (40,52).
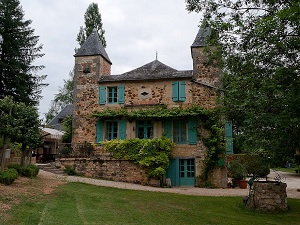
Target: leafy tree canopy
(92,19)
(19,123)
(18,49)
(259,53)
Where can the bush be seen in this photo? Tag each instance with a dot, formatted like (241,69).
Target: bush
(256,165)
(15,166)
(8,176)
(30,171)
(70,170)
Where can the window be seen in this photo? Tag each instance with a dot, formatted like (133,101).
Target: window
(115,94)
(144,129)
(112,95)
(178,91)
(179,131)
(111,130)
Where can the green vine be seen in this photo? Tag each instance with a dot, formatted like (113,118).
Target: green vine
(153,154)
(134,149)
(158,112)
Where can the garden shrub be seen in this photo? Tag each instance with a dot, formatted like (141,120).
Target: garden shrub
(8,176)
(256,165)
(15,166)
(70,170)
(153,154)
(30,171)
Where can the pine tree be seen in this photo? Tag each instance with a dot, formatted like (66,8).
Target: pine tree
(92,19)
(18,49)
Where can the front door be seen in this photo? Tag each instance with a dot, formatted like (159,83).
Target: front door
(186,172)
(182,172)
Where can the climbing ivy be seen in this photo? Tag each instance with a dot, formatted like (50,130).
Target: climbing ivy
(150,154)
(153,113)
(153,154)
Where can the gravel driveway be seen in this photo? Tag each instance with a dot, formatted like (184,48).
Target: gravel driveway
(292,180)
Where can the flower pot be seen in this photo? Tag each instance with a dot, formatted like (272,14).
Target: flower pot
(243,184)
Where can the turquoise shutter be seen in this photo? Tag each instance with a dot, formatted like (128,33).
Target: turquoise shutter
(121,94)
(122,129)
(175,92)
(192,131)
(99,131)
(228,137)
(167,128)
(181,89)
(173,172)
(102,95)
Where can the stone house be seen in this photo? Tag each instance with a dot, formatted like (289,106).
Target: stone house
(151,85)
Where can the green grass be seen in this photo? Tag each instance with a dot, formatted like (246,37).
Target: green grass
(289,170)
(76,203)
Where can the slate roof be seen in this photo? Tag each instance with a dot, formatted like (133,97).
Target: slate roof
(201,37)
(150,71)
(92,46)
(56,122)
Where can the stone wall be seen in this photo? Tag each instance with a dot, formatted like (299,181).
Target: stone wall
(268,196)
(110,169)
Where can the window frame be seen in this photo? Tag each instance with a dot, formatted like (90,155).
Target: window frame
(111,130)
(179,131)
(112,94)
(147,124)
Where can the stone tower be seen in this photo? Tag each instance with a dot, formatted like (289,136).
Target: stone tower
(205,76)
(208,74)
(91,62)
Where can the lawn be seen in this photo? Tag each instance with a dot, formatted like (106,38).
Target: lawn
(76,203)
(289,170)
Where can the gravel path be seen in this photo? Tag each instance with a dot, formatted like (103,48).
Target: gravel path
(293,183)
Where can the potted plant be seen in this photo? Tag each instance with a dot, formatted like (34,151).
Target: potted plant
(238,172)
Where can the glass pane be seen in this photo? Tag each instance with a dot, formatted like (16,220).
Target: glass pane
(141,132)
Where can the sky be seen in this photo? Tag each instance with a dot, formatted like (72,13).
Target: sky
(134,31)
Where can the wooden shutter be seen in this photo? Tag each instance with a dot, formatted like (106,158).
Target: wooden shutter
(175,93)
(167,128)
(228,137)
(173,172)
(121,94)
(102,95)
(181,91)
(99,131)
(192,131)
(122,129)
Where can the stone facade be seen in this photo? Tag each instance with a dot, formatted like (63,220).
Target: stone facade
(269,196)
(148,86)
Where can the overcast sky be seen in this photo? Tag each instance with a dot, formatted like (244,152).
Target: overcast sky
(134,31)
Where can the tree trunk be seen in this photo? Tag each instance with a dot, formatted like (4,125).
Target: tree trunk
(2,153)
(23,156)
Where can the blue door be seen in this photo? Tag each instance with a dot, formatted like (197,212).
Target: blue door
(182,172)
(186,172)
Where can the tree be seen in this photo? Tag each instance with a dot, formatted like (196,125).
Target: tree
(259,53)
(18,50)
(19,123)
(28,132)
(63,98)
(92,19)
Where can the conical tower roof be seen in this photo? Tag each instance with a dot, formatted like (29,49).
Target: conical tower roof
(92,46)
(201,37)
